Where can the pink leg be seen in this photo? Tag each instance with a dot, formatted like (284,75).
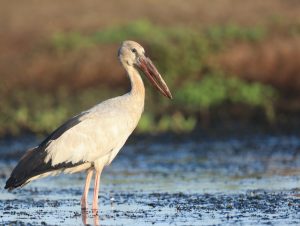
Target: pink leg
(96,191)
(84,216)
(86,189)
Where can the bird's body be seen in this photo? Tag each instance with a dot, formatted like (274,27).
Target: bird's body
(92,139)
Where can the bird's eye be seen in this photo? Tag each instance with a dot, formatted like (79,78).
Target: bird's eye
(133,50)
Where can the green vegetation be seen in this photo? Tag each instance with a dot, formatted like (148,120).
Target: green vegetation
(216,89)
(181,54)
(147,32)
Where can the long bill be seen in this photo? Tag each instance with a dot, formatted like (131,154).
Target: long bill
(148,68)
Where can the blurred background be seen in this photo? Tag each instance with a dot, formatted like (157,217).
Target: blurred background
(225,150)
(229,64)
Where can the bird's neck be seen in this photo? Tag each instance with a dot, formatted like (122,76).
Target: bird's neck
(137,85)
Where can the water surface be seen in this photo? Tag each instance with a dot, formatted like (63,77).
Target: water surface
(252,181)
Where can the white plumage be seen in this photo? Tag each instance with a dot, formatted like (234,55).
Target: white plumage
(101,133)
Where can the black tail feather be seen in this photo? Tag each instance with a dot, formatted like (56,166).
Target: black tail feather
(33,164)
(29,166)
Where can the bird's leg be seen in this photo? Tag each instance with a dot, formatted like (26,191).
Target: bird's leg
(96,220)
(84,216)
(96,191)
(86,189)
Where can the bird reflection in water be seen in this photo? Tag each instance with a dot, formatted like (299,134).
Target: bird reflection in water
(85,217)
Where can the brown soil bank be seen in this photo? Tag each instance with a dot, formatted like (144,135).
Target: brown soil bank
(274,62)
(25,27)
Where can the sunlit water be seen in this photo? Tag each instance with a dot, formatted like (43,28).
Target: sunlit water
(251,181)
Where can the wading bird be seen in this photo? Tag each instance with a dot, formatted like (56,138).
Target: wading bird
(91,140)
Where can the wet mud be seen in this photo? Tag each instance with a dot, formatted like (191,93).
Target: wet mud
(232,181)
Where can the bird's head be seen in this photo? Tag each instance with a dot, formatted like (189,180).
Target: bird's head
(132,54)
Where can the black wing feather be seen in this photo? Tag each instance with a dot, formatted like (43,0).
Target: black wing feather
(63,128)
(33,161)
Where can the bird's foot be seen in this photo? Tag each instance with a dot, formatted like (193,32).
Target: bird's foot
(84,204)
(84,209)
(95,211)
(84,216)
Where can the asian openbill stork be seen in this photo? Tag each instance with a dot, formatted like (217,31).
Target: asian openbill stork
(91,140)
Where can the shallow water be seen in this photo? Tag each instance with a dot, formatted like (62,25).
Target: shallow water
(252,181)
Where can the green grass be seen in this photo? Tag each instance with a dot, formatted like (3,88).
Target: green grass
(216,89)
(148,32)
